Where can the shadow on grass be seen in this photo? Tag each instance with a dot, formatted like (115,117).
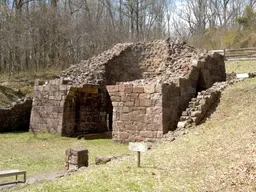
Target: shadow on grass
(31,134)
(11,183)
(96,136)
(14,132)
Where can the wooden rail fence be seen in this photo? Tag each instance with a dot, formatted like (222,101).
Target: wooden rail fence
(237,54)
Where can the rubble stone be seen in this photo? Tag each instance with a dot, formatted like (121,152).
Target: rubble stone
(99,160)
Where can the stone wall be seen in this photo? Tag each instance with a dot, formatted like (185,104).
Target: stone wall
(132,61)
(175,100)
(137,111)
(48,106)
(212,69)
(148,87)
(61,108)
(139,61)
(16,118)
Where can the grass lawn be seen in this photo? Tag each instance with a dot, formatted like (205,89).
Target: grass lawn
(241,66)
(45,152)
(219,155)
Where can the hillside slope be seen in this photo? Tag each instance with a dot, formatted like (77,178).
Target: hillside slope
(219,155)
(8,95)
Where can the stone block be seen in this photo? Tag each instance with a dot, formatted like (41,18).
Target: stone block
(150,88)
(138,89)
(115,104)
(156,96)
(158,88)
(142,110)
(129,103)
(182,124)
(123,135)
(112,88)
(159,134)
(125,109)
(144,96)
(99,160)
(76,157)
(149,127)
(63,87)
(125,117)
(134,95)
(137,103)
(158,119)
(116,116)
(147,134)
(156,102)
(195,113)
(115,98)
(136,116)
(128,88)
(154,110)
(145,102)
(121,87)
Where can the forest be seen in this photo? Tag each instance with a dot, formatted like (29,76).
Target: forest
(48,34)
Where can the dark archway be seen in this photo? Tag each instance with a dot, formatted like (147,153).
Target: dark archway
(109,110)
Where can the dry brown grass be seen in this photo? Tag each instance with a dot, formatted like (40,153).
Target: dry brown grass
(8,95)
(24,81)
(219,155)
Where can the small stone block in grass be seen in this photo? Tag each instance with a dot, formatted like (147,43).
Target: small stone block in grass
(76,157)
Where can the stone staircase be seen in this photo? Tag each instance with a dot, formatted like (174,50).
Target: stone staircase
(198,109)
(199,106)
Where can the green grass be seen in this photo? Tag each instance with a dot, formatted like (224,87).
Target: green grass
(219,155)
(241,66)
(45,152)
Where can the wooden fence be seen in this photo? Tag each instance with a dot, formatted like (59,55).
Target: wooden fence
(237,54)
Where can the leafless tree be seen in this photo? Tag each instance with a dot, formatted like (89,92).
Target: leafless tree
(44,34)
(36,34)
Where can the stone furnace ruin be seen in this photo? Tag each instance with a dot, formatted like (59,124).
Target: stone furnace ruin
(136,90)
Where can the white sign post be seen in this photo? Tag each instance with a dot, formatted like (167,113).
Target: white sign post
(138,147)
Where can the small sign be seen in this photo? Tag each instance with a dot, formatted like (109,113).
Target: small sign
(138,146)
(242,75)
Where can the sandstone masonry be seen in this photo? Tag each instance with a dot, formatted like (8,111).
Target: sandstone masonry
(61,108)
(137,90)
